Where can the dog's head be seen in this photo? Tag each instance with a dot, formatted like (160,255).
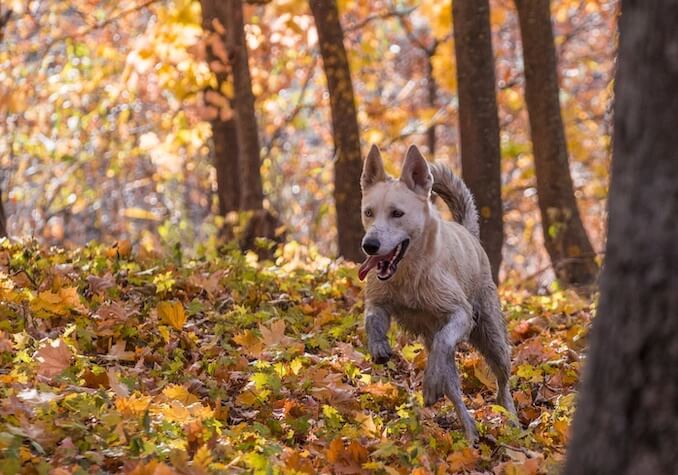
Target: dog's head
(394,212)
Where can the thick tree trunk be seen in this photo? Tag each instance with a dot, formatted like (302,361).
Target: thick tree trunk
(348,163)
(627,415)
(565,238)
(226,163)
(478,120)
(224,132)
(251,193)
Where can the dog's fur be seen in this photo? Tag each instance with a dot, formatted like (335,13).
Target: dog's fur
(443,289)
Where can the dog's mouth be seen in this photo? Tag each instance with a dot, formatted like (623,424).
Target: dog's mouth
(386,265)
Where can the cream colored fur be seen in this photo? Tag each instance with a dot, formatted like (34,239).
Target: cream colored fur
(443,289)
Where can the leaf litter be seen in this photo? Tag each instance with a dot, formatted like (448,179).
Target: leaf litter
(114,362)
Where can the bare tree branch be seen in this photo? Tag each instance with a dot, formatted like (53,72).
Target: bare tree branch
(393,13)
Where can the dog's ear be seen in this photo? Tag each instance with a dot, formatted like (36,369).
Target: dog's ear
(416,173)
(373,169)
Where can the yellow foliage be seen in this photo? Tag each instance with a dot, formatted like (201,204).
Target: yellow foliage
(172,313)
(444,66)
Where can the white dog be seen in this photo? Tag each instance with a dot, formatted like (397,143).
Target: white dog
(431,275)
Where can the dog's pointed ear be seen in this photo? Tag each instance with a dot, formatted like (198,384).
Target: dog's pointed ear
(373,169)
(416,173)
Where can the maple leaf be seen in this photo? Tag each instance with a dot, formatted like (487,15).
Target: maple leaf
(250,343)
(53,358)
(179,393)
(172,313)
(117,352)
(57,303)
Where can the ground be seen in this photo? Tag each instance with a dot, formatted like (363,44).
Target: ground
(117,361)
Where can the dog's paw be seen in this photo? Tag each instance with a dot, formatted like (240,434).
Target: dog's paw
(471,434)
(381,351)
(435,383)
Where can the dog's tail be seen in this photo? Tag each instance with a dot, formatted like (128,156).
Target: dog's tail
(456,196)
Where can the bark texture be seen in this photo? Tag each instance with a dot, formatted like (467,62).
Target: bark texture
(627,415)
(348,162)
(251,192)
(565,238)
(478,120)
(4,18)
(3,220)
(224,132)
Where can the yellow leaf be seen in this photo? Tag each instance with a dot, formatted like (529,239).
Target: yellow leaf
(60,302)
(164,333)
(172,313)
(179,393)
(202,458)
(132,406)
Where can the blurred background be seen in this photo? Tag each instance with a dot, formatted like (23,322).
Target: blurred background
(117,117)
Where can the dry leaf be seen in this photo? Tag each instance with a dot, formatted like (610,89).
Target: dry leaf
(172,313)
(53,358)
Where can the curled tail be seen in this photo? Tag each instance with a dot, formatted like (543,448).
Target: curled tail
(456,196)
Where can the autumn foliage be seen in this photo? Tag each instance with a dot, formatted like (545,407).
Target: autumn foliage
(119,361)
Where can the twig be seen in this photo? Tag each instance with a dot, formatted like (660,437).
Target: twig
(393,13)
(297,108)
(98,25)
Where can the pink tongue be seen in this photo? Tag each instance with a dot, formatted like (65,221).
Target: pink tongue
(366,266)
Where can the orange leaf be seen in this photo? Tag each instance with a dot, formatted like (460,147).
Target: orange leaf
(172,313)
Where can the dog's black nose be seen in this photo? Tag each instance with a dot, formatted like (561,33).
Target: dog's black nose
(371,246)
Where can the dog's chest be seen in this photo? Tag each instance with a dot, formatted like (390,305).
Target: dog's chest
(418,306)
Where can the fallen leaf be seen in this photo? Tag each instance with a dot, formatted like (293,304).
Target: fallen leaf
(53,358)
(172,313)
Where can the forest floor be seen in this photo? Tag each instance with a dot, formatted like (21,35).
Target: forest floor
(112,361)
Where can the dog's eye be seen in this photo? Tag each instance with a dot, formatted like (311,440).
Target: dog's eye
(369,213)
(396,213)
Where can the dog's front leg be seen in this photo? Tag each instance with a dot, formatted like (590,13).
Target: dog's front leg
(377,322)
(440,377)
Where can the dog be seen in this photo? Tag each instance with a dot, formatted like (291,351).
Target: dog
(431,275)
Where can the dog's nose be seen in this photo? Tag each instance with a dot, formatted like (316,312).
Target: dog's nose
(371,246)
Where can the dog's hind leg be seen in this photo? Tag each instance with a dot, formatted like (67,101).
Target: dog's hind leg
(441,378)
(489,337)
(377,322)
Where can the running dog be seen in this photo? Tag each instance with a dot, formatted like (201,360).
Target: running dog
(431,275)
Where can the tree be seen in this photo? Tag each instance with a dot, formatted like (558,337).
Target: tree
(236,141)
(346,134)
(627,416)
(224,130)
(478,120)
(4,18)
(251,191)
(565,238)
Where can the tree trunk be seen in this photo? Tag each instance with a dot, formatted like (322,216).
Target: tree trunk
(565,238)
(478,120)
(3,220)
(224,132)
(4,18)
(627,415)
(251,193)
(348,163)
(432,89)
